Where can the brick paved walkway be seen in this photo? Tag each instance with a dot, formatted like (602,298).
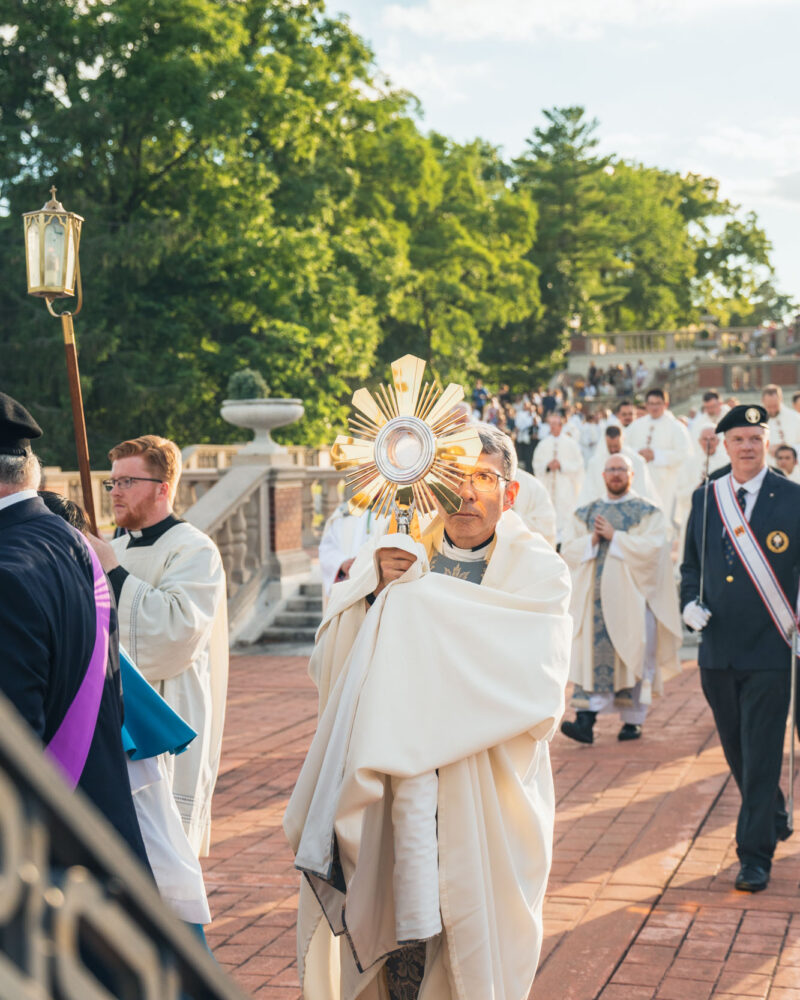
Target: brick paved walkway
(640,904)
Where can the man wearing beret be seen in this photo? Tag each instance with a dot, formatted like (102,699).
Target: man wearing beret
(58,640)
(746,615)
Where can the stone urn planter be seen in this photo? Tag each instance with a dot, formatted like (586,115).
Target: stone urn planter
(262,416)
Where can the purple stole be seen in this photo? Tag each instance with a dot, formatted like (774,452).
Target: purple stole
(70,744)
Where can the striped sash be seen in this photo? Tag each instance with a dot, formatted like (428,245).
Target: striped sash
(753,559)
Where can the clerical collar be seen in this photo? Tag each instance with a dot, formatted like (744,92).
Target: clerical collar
(151,534)
(476,554)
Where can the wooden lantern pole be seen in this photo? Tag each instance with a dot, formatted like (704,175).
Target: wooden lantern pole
(76,398)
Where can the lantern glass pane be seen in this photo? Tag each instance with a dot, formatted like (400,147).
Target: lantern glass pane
(69,275)
(54,254)
(32,250)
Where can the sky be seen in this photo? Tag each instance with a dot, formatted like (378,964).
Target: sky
(702,86)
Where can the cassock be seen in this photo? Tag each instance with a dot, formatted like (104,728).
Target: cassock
(594,485)
(171,595)
(627,622)
(670,442)
(533,505)
(784,429)
(440,674)
(563,485)
(47,634)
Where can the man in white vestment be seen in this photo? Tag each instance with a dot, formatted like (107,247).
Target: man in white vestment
(534,506)
(594,485)
(558,465)
(664,443)
(342,537)
(624,605)
(711,412)
(423,815)
(784,422)
(786,461)
(169,584)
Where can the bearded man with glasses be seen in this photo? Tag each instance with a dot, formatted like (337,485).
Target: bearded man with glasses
(169,584)
(423,815)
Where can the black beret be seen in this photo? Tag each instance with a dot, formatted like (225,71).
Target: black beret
(17,427)
(745,415)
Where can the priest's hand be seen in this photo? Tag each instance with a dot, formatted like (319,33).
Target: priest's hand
(105,552)
(647,454)
(343,572)
(603,528)
(392,563)
(554,466)
(696,616)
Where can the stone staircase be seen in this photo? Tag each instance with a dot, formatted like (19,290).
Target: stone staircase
(298,620)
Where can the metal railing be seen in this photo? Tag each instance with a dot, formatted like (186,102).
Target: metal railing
(74,900)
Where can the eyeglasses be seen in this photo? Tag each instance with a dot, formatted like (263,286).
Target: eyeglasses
(485,482)
(125,482)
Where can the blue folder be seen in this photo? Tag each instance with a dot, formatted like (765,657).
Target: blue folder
(151,727)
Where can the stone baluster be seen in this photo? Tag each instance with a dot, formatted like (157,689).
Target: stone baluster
(253,534)
(238,522)
(309,535)
(224,542)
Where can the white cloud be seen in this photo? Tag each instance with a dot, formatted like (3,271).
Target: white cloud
(528,20)
(425,74)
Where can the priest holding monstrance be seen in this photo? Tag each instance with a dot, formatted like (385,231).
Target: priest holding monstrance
(423,815)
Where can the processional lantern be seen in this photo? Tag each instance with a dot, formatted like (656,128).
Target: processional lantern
(52,240)
(409,448)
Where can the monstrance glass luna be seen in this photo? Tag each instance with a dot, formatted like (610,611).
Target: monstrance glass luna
(410,446)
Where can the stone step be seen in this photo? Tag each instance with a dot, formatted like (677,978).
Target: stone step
(286,634)
(297,619)
(311,590)
(308,604)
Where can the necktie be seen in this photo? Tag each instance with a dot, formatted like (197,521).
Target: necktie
(727,544)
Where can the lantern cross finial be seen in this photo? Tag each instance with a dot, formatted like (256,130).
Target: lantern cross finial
(53,190)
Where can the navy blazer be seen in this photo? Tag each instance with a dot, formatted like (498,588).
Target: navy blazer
(740,633)
(47,632)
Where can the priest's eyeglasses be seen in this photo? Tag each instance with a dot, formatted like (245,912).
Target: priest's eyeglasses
(125,482)
(484,482)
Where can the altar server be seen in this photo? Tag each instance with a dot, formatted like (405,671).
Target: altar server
(558,465)
(169,584)
(624,606)
(783,421)
(423,815)
(664,443)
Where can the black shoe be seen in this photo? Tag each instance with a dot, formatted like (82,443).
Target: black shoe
(581,729)
(630,731)
(752,878)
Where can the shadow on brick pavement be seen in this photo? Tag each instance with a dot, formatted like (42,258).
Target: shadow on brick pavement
(640,904)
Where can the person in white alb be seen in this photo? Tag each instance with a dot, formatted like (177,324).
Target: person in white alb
(784,422)
(558,465)
(664,443)
(786,462)
(534,506)
(613,443)
(711,412)
(627,630)
(169,583)
(342,538)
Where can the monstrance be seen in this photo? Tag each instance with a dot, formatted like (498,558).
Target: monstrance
(409,446)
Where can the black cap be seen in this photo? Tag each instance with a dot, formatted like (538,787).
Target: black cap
(751,415)
(17,427)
